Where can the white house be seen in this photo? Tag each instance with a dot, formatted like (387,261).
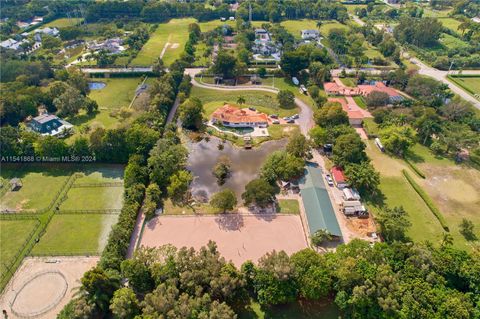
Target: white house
(310,34)
(48,31)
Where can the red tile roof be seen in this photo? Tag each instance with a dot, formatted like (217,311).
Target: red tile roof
(338,175)
(379,86)
(352,114)
(234,114)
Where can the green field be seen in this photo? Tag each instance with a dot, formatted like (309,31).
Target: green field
(117,94)
(452,42)
(470,84)
(63,22)
(288,206)
(452,188)
(264,101)
(296,26)
(75,234)
(13,234)
(450,23)
(40,185)
(175,32)
(396,189)
(66,234)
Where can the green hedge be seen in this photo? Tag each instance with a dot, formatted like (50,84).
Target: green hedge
(414,168)
(428,201)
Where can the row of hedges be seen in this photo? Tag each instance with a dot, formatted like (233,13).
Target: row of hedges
(428,201)
(414,168)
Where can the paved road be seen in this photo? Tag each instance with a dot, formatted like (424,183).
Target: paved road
(305,121)
(442,76)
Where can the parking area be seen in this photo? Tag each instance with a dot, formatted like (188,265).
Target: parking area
(239,237)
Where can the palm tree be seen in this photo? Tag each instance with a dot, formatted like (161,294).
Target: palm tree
(319,24)
(241,100)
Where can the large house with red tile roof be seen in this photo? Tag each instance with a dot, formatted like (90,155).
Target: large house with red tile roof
(232,116)
(334,88)
(379,86)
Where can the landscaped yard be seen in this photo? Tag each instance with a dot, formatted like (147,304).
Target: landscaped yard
(296,26)
(13,235)
(264,101)
(288,206)
(41,183)
(63,22)
(75,234)
(117,94)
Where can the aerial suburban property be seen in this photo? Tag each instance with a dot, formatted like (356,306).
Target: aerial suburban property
(248,159)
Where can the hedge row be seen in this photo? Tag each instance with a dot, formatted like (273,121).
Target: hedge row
(414,168)
(428,201)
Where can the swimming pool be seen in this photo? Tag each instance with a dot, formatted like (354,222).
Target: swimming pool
(96,85)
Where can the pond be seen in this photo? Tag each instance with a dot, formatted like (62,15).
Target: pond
(96,85)
(245,164)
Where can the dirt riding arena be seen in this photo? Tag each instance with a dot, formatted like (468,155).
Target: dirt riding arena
(239,237)
(41,287)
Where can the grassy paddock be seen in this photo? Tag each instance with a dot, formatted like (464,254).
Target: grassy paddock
(428,201)
(40,184)
(75,234)
(13,235)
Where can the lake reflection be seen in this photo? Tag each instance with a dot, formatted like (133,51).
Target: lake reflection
(245,164)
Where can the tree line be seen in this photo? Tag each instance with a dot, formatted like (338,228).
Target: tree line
(398,280)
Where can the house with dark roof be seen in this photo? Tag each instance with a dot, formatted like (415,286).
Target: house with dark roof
(318,207)
(49,124)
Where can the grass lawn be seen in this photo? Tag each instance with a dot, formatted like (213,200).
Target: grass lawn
(351,8)
(210,25)
(348,82)
(174,32)
(264,101)
(297,310)
(288,206)
(453,188)
(200,59)
(427,12)
(296,26)
(117,93)
(360,102)
(13,234)
(287,84)
(75,234)
(40,185)
(396,189)
(63,22)
(450,23)
(469,84)
(93,198)
(452,42)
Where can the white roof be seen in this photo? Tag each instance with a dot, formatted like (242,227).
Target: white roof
(8,43)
